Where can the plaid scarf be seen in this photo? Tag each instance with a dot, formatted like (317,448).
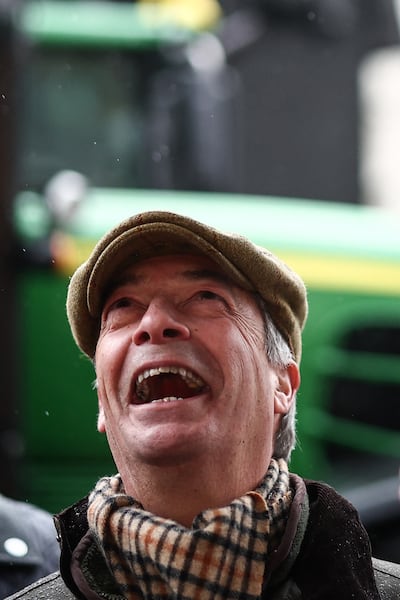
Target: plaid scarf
(222,556)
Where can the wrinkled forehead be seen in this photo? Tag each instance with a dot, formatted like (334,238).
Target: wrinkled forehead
(188,266)
(179,269)
(178,262)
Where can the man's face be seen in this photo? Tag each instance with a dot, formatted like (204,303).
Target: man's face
(182,371)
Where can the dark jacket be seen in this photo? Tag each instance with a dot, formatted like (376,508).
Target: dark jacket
(324,555)
(28,545)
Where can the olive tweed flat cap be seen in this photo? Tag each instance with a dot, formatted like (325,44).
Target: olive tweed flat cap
(151,234)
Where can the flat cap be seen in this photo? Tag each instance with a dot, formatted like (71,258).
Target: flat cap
(157,233)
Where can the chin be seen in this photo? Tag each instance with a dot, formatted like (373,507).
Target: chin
(163,450)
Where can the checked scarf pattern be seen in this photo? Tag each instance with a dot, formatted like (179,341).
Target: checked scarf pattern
(221,556)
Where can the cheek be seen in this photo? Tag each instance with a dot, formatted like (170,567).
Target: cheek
(110,354)
(245,360)
(250,328)
(102,387)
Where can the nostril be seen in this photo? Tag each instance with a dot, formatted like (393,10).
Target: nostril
(171,333)
(143,337)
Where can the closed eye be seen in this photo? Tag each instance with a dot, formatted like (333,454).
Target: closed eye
(120,303)
(208,295)
(120,312)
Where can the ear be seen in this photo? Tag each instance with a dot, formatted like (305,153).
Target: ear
(287,386)
(101,421)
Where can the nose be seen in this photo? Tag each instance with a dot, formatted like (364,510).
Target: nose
(160,323)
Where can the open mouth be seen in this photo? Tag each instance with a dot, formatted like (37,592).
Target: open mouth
(167,384)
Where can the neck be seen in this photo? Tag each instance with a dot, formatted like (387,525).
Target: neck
(181,491)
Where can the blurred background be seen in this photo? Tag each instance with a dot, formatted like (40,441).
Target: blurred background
(278,118)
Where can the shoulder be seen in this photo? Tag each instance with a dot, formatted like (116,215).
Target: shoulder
(387,576)
(330,510)
(51,587)
(329,504)
(323,493)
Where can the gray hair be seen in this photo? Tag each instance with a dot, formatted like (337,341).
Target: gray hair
(280,355)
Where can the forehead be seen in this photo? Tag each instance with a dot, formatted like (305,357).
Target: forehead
(178,262)
(185,266)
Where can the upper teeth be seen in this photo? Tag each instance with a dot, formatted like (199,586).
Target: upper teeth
(191,379)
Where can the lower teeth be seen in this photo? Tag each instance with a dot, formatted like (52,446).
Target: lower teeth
(168,399)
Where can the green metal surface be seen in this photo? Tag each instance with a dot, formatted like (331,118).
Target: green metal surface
(99,24)
(286,223)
